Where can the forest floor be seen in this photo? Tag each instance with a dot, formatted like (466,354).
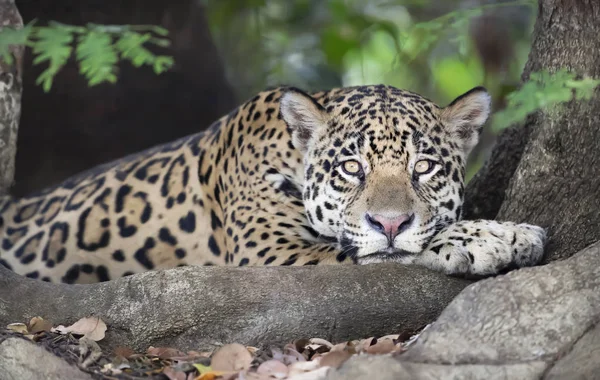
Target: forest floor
(302,359)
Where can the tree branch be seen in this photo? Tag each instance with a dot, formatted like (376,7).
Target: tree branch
(194,307)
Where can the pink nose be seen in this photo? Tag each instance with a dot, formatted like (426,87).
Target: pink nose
(390,226)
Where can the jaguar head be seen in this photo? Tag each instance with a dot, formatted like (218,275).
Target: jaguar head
(383,168)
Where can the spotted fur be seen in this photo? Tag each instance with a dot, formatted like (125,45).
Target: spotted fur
(274,183)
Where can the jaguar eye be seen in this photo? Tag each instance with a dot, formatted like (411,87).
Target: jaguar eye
(352,167)
(424,167)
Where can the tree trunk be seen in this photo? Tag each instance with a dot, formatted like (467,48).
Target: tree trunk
(194,307)
(10,98)
(556,181)
(486,191)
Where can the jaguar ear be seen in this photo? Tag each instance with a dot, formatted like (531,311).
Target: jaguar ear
(465,116)
(303,115)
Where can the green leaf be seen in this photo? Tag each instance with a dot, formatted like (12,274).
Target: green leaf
(541,91)
(95,52)
(162,42)
(201,368)
(52,45)
(162,64)
(160,30)
(97,57)
(10,36)
(130,45)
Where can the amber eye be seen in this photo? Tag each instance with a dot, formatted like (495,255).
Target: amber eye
(424,166)
(352,167)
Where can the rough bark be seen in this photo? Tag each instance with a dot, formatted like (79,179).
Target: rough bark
(194,307)
(20,359)
(535,323)
(10,98)
(487,189)
(557,182)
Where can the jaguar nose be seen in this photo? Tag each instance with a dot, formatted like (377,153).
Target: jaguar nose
(390,226)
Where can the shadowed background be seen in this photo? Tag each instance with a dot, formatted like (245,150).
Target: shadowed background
(226,50)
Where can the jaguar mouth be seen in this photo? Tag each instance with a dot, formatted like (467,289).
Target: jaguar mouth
(389,254)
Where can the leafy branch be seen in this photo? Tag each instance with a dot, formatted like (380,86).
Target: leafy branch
(97,48)
(541,91)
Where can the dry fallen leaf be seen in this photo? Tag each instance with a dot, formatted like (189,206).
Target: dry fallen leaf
(174,374)
(109,369)
(21,328)
(213,375)
(334,358)
(320,348)
(92,328)
(38,324)
(317,374)
(290,355)
(393,337)
(381,347)
(192,356)
(339,347)
(245,375)
(89,352)
(120,362)
(302,367)
(273,368)
(125,352)
(201,354)
(164,352)
(363,344)
(321,342)
(231,357)
(18,328)
(300,344)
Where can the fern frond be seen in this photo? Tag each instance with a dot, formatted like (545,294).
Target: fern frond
(52,45)
(130,45)
(97,57)
(12,37)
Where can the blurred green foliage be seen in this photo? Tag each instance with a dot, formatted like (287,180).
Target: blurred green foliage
(543,90)
(425,46)
(439,49)
(97,48)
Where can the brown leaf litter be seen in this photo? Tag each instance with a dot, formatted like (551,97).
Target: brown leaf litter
(303,359)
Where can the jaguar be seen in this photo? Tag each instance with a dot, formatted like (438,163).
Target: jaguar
(353,175)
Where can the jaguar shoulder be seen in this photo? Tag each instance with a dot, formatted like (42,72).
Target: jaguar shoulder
(352,175)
